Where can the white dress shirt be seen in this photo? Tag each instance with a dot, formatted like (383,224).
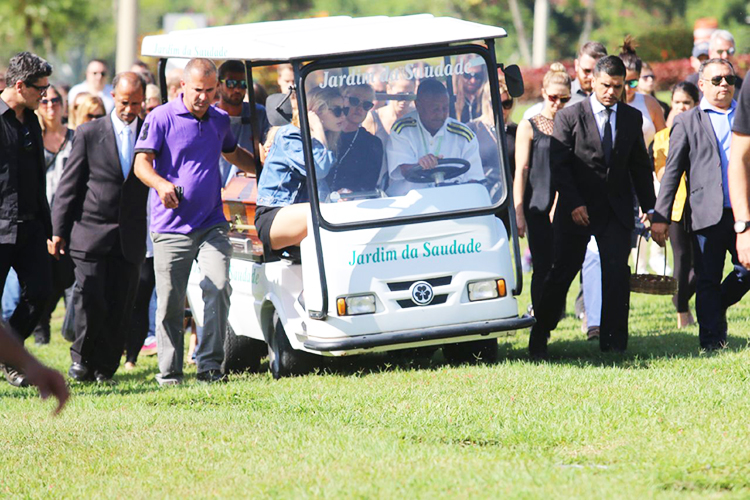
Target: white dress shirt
(601,117)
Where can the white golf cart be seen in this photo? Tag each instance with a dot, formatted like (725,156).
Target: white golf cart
(392,266)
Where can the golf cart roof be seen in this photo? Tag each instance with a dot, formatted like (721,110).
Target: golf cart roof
(306,39)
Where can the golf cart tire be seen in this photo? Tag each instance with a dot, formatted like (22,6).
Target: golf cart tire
(242,354)
(283,359)
(484,351)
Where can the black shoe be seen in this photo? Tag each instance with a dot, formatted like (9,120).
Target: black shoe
(538,344)
(41,334)
(104,379)
(211,376)
(80,373)
(14,377)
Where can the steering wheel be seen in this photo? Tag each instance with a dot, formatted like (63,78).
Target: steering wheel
(447,168)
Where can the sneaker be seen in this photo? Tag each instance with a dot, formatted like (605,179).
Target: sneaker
(593,333)
(164,381)
(14,377)
(149,349)
(211,376)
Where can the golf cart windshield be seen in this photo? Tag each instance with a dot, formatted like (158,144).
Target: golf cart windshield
(408,138)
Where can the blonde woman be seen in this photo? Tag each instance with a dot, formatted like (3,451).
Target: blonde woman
(532,186)
(90,108)
(281,213)
(470,89)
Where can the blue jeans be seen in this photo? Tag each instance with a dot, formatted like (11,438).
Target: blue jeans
(11,294)
(714,296)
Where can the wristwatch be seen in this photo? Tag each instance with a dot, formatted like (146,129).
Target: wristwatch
(741,226)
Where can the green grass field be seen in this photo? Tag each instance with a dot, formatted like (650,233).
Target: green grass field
(662,420)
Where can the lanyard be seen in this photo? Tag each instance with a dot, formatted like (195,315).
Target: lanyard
(426,147)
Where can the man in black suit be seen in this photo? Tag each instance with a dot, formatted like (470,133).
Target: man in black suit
(699,147)
(100,212)
(597,149)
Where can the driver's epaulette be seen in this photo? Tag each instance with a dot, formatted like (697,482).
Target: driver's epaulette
(403,123)
(460,129)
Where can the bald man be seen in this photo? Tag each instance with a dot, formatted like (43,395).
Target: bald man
(99,218)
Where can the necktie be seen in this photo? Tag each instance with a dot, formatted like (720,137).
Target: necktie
(126,152)
(607,137)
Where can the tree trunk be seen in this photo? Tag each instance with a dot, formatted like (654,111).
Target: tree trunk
(588,23)
(523,43)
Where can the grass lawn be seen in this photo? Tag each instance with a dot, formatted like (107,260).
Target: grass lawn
(662,420)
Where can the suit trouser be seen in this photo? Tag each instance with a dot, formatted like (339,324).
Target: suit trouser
(541,238)
(173,259)
(140,323)
(29,257)
(570,249)
(103,301)
(713,296)
(62,279)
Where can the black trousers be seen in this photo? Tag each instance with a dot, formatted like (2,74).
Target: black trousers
(541,245)
(62,279)
(570,250)
(29,257)
(103,300)
(682,249)
(139,325)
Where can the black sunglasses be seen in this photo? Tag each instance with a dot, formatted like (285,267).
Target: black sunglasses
(28,145)
(340,110)
(716,80)
(507,104)
(474,76)
(54,100)
(235,83)
(94,117)
(41,88)
(356,101)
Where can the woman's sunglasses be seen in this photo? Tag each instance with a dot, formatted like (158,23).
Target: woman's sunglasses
(356,101)
(54,100)
(340,110)
(507,104)
(716,81)
(235,83)
(562,98)
(473,76)
(92,116)
(632,83)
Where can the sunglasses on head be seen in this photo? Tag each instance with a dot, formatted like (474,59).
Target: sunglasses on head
(473,76)
(92,116)
(632,83)
(54,100)
(339,110)
(562,98)
(507,104)
(235,83)
(716,80)
(356,101)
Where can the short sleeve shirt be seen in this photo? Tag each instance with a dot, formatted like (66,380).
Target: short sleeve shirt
(187,153)
(742,118)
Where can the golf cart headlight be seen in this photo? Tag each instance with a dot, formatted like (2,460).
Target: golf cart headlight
(358,304)
(485,290)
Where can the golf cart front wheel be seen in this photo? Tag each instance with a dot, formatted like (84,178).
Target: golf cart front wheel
(471,352)
(283,359)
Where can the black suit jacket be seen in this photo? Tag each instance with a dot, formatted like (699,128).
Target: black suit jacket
(582,177)
(693,150)
(94,203)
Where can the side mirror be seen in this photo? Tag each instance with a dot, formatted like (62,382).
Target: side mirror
(279,109)
(514,80)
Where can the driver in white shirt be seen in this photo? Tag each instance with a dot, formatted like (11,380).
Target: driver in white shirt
(424,136)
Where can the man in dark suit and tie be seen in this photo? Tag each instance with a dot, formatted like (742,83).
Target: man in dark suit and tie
(699,147)
(100,219)
(597,150)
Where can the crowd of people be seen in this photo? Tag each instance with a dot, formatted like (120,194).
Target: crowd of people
(125,193)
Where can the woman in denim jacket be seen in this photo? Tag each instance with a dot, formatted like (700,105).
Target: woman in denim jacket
(283,203)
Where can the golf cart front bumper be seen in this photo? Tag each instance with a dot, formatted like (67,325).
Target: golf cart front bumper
(450,332)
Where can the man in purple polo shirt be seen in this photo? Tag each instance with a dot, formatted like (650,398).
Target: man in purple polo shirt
(177,154)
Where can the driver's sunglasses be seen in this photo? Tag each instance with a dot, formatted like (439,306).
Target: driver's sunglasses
(235,83)
(28,145)
(54,100)
(716,80)
(473,76)
(356,101)
(632,83)
(41,88)
(340,110)
(563,99)
(507,104)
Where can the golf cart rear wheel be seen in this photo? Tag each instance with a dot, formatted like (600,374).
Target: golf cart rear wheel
(471,352)
(283,359)
(242,353)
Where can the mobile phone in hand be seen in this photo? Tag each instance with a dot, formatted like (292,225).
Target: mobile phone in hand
(179,190)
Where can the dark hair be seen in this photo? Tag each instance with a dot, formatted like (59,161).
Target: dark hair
(101,61)
(611,65)
(595,50)
(231,66)
(132,77)
(27,68)
(688,88)
(260,93)
(431,86)
(708,62)
(629,57)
